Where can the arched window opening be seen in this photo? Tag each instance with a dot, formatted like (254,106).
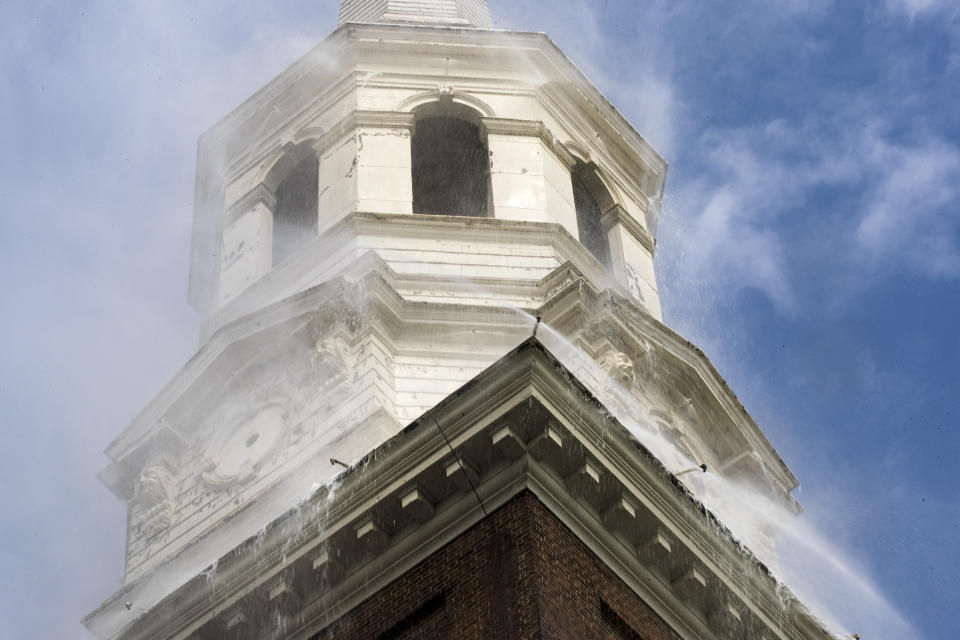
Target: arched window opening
(587,190)
(451,165)
(295,214)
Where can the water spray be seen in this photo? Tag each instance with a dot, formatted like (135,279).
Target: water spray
(702,467)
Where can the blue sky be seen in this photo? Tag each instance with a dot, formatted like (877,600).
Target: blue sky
(809,243)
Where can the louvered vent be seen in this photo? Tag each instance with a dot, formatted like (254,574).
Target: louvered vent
(466,13)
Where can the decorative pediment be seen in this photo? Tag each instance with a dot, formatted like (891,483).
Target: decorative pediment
(656,368)
(307,372)
(524,425)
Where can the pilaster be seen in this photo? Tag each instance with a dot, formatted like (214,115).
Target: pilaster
(384,178)
(368,167)
(631,257)
(529,180)
(246,245)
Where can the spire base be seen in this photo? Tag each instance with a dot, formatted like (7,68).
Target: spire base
(460,13)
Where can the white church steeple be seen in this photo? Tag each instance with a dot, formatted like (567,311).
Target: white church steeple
(373,230)
(465,13)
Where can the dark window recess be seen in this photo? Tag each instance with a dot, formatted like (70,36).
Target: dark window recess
(620,627)
(589,225)
(428,622)
(295,215)
(451,168)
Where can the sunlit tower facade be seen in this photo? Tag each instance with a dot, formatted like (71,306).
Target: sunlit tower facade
(424,257)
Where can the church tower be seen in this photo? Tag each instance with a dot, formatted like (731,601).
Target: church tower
(434,396)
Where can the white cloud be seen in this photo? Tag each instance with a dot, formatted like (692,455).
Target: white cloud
(913,217)
(901,210)
(914,8)
(731,250)
(733,213)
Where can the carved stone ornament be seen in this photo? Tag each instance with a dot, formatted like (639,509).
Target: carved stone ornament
(558,288)
(633,284)
(331,358)
(618,366)
(236,458)
(217,478)
(155,492)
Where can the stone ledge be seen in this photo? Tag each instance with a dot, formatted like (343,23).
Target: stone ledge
(530,129)
(617,215)
(260,193)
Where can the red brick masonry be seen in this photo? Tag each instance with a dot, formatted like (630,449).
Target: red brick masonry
(520,574)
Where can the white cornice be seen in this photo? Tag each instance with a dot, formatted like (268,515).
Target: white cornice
(617,215)
(529,381)
(379,36)
(530,129)
(259,194)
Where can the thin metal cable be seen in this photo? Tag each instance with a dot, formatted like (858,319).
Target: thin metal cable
(460,464)
(499,534)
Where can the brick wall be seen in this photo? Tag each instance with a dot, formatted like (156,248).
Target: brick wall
(521,570)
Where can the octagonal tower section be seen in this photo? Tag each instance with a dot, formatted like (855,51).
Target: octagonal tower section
(472,126)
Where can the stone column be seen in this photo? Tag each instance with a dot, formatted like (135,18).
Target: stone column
(365,166)
(529,180)
(385,178)
(246,241)
(631,256)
